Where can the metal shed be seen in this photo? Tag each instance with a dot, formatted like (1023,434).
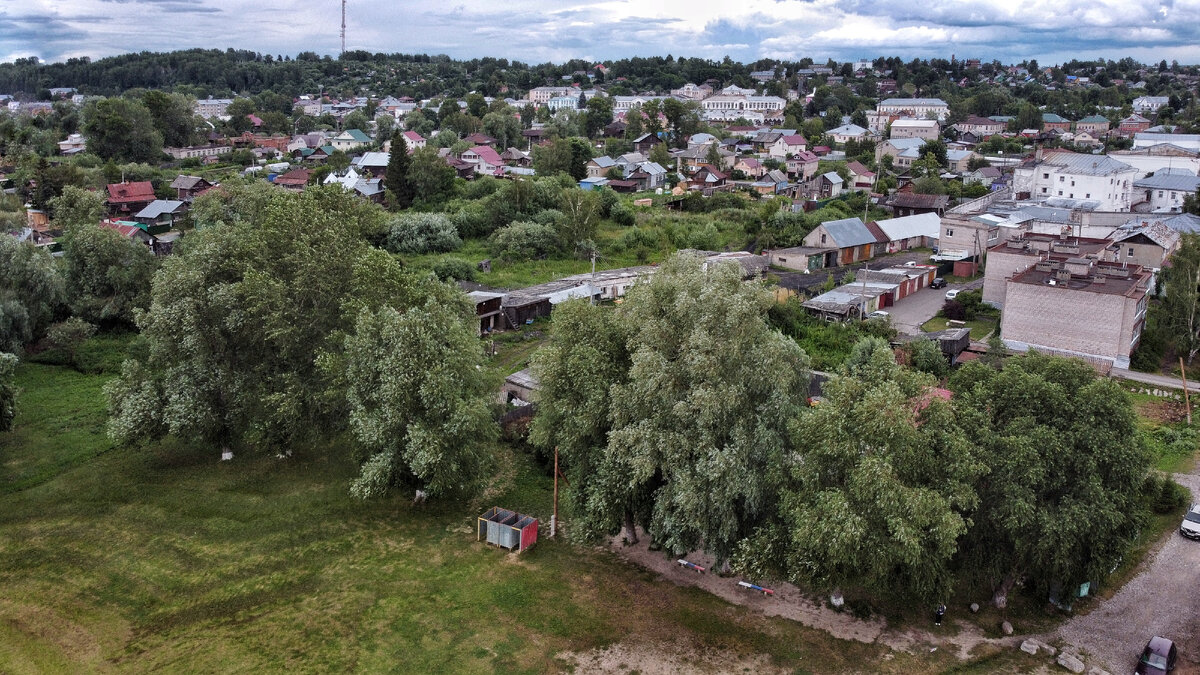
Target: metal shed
(507,529)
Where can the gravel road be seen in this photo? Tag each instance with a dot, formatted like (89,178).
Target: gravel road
(1164,599)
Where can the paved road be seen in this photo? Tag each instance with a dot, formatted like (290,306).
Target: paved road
(1162,600)
(916,309)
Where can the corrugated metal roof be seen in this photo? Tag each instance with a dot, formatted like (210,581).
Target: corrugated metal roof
(920,225)
(848,232)
(1169,181)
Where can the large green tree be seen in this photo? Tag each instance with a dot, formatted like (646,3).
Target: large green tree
(31,290)
(431,178)
(419,399)
(698,432)
(173,116)
(121,129)
(8,390)
(395,177)
(1059,502)
(77,206)
(247,323)
(1181,306)
(107,275)
(880,490)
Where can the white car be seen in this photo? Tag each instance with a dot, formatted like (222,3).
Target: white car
(1190,527)
(879,314)
(952,294)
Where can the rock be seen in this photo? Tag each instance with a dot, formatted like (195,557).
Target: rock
(1029,647)
(1097,670)
(1048,649)
(1070,663)
(974,607)
(1006,628)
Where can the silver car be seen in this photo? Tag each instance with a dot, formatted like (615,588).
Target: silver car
(1190,527)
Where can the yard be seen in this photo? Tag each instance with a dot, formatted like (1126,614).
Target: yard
(140,559)
(164,558)
(980,327)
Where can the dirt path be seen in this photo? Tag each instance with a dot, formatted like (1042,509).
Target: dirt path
(1161,600)
(792,603)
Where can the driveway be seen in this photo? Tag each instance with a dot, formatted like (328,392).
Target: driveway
(917,308)
(1161,600)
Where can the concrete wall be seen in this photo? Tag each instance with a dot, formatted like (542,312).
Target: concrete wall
(1001,265)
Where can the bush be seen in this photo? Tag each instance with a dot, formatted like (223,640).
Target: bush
(551,217)
(524,241)
(422,233)
(621,215)
(471,221)
(953,309)
(453,268)
(608,201)
(1164,495)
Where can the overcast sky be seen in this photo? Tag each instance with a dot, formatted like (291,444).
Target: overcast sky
(535,31)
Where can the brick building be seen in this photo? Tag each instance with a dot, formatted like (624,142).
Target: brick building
(1077,307)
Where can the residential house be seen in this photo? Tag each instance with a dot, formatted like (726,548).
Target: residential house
(861,178)
(707,179)
(921,230)
(1096,125)
(294,180)
(1077,307)
(480,139)
(373,164)
(350,139)
(645,143)
(542,95)
(1147,245)
(199,151)
(981,127)
(985,176)
(128,198)
(598,167)
(824,186)
(1095,178)
(1083,139)
(750,166)
(915,107)
(485,159)
(911,204)
(1149,104)
(516,158)
(803,165)
(615,129)
(414,141)
(958,161)
(1183,223)
(851,236)
(75,144)
(1164,190)
(910,148)
(878,122)
(367,188)
(188,188)
(908,128)
(1133,124)
(848,132)
(648,176)
(1052,122)
(773,182)
(161,213)
(788,145)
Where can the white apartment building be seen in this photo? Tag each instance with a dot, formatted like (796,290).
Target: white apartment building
(212,107)
(925,129)
(540,95)
(915,107)
(626,103)
(1071,175)
(1165,190)
(739,102)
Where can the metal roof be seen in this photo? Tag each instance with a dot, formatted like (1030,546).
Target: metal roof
(158,207)
(848,232)
(1169,181)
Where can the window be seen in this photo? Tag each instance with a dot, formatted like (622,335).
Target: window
(1088,196)
(1130,251)
(1160,193)
(822,238)
(1061,178)
(1060,193)
(1043,190)
(949,233)
(1045,176)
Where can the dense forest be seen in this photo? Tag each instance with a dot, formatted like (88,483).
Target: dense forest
(204,72)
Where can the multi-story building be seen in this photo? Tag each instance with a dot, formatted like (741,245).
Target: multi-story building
(1077,307)
(908,128)
(540,95)
(980,126)
(212,107)
(1164,191)
(915,107)
(1093,124)
(1072,175)
(1024,250)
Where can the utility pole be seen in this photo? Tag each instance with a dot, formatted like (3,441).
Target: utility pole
(554,518)
(343,26)
(593,295)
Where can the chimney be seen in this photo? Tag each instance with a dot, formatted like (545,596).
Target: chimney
(1037,154)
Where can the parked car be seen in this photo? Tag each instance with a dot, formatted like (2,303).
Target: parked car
(1190,527)
(952,294)
(878,314)
(939,282)
(911,263)
(1158,658)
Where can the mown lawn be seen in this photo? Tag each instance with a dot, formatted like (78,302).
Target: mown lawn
(980,328)
(164,558)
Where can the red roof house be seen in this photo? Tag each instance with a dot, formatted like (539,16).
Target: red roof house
(130,197)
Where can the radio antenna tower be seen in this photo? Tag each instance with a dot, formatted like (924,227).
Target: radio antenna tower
(343,26)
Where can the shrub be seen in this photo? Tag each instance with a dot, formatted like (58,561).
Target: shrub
(621,215)
(472,221)
(1163,493)
(454,268)
(953,309)
(551,217)
(524,241)
(608,201)
(422,233)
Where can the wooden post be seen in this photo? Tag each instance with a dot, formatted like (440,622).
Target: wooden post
(554,518)
(1187,405)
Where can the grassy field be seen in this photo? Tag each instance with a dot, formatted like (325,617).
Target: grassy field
(980,328)
(163,558)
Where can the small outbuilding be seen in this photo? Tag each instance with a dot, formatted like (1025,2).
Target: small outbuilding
(507,529)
